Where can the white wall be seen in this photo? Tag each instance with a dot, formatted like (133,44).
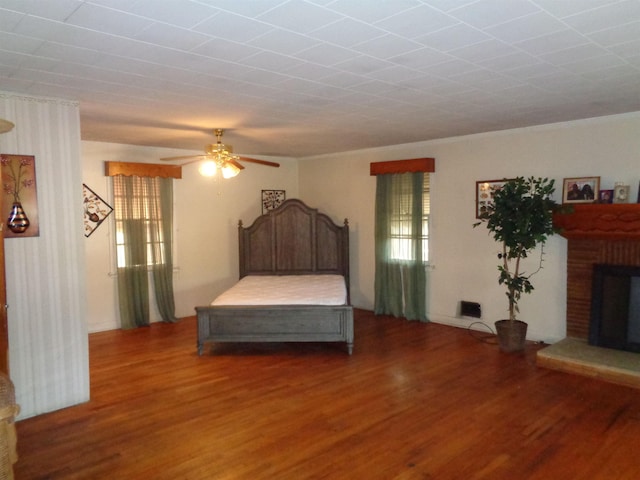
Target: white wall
(207,211)
(48,348)
(463,258)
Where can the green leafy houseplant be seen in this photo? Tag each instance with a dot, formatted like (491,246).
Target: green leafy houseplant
(520,218)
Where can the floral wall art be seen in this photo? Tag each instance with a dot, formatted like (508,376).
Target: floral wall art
(96,210)
(20,200)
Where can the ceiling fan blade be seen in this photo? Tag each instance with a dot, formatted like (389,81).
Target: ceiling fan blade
(182,157)
(233,162)
(261,162)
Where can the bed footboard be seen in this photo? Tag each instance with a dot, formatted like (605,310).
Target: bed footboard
(287,323)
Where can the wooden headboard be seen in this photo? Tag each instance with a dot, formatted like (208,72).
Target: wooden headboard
(294,239)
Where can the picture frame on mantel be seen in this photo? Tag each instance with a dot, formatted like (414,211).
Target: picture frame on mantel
(621,193)
(580,189)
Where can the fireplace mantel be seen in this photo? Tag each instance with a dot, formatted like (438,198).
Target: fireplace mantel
(620,221)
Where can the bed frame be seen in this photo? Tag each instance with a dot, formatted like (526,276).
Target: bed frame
(292,239)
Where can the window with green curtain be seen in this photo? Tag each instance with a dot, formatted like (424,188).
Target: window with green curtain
(143,210)
(401,244)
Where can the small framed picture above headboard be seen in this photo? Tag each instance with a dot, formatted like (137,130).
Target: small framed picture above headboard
(272,199)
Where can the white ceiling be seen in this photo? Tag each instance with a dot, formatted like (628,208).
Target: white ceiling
(305,77)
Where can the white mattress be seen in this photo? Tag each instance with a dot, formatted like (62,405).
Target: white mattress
(286,290)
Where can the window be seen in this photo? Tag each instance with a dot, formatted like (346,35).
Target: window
(137,208)
(401,225)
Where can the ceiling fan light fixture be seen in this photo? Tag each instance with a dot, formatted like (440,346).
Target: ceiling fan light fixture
(208,168)
(229,170)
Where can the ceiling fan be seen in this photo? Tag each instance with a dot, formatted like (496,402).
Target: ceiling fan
(219,156)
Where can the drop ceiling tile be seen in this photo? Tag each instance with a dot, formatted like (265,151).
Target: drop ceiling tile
(534,71)
(181,13)
(450,38)
(232,27)
(552,42)
(568,8)
(342,79)
(271,61)
(475,77)
(58,10)
(395,74)
(18,43)
(509,62)
(569,55)
(369,11)
(225,50)
(362,65)
(530,26)
(447,5)
(450,68)
(310,71)
(9,19)
(483,51)
(595,64)
(106,20)
(282,41)
(347,32)
(299,16)
(416,22)
(173,37)
(387,46)
(619,34)
(608,16)
(623,73)
(374,87)
(326,54)
(24,61)
(68,53)
(626,50)
(251,9)
(422,59)
(486,13)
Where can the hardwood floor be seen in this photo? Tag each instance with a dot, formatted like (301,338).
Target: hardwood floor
(415,401)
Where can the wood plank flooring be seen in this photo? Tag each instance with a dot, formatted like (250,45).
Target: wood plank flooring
(414,401)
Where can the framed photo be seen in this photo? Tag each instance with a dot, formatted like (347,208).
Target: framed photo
(20,200)
(272,199)
(580,189)
(605,196)
(485,189)
(96,210)
(621,193)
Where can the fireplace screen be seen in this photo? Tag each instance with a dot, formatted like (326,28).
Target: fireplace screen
(615,307)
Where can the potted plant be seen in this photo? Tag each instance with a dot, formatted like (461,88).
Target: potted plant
(520,219)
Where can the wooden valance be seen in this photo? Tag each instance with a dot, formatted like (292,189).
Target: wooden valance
(142,169)
(413,165)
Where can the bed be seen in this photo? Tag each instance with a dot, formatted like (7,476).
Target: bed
(292,244)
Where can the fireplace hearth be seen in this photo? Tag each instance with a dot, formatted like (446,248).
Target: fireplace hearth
(597,234)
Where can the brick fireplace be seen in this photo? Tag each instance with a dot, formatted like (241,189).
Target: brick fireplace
(604,234)
(596,233)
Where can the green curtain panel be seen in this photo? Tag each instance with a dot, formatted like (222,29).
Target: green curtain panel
(400,278)
(143,213)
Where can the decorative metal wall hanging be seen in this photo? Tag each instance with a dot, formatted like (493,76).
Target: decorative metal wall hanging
(95,210)
(272,199)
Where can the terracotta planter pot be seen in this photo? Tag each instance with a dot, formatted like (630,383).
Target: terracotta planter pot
(511,335)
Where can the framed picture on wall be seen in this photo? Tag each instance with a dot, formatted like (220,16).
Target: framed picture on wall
(20,200)
(580,189)
(485,189)
(272,199)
